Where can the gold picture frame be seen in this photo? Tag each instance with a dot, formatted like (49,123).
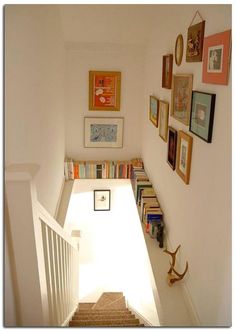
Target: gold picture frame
(163,119)
(184,156)
(104,90)
(181,97)
(179,48)
(153,110)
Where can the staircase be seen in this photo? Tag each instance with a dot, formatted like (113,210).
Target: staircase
(110,310)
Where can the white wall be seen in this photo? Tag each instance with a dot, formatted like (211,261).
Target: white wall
(113,256)
(34,104)
(197,216)
(82,57)
(34,107)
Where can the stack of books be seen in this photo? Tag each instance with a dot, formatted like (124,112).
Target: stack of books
(97,169)
(147,202)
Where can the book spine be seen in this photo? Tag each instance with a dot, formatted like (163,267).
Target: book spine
(76,171)
(66,170)
(70,169)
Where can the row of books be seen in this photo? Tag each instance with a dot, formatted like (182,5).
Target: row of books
(147,202)
(98,169)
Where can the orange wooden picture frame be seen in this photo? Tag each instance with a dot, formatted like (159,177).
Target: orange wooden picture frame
(184,156)
(216,58)
(104,90)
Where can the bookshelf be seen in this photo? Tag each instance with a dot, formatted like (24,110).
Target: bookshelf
(97,169)
(150,212)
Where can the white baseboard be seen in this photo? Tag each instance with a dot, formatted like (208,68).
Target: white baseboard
(69,317)
(187,295)
(142,319)
(189,303)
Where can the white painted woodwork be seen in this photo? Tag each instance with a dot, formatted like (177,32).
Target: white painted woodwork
(45,256)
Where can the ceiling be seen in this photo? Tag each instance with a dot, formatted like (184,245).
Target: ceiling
(122,24)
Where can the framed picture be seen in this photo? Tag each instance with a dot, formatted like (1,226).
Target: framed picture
(172,144)
(181,97)
(102,200)
(194,46)
(104,90)
(179,47)
(163,119)
(104,132)
(202,115)
(216,58)
(154,110)
(184,155)
(167,66)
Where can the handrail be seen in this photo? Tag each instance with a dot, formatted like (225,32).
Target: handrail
(45,257)
(60,255)
(53,224)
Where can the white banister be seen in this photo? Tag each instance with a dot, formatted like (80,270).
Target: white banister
(45,256)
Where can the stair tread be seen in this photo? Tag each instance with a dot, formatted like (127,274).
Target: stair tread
(99,317)
(86,305)
(110,299)
(102,311)
(113,325)
(107,322)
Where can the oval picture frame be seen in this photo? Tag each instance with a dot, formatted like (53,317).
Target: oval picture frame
(179,45)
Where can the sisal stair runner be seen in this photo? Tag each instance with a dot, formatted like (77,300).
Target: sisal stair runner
(110,310)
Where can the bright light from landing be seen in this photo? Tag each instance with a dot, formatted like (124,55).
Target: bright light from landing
(113,254)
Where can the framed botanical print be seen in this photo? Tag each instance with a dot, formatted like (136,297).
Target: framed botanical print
(194,46)
(104,90)
(103,132)
(202,115)
(179,47)
(172,144)
(216,58)
(154,110)
(163,119)
(184,155)
(102,200)
(167,66)
(181,97)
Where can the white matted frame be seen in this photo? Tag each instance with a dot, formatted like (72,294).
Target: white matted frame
(102,200)
(103,132)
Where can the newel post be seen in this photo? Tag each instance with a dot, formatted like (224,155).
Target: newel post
(24,236)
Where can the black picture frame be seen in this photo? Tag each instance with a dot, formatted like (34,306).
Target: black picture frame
(171,147)
(202,115)
(102,200)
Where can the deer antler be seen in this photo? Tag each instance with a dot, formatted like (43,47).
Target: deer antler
(173,279)
(173,255)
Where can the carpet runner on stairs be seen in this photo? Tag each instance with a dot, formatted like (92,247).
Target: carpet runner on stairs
(110,310)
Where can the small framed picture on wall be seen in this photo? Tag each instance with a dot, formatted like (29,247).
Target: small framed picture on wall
(163,119)
(167,66)
(102,200)
(184,155)
(202,115)
(104,90)
(154,110)
(181,97)
(216,58)
(194,47)
(171,149)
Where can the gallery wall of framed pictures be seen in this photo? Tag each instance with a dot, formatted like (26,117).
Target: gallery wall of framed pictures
(191,107)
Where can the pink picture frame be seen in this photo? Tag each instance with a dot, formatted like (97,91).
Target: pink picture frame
(216,58)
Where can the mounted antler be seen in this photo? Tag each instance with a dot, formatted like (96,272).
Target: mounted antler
(173,255)
(171,277)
